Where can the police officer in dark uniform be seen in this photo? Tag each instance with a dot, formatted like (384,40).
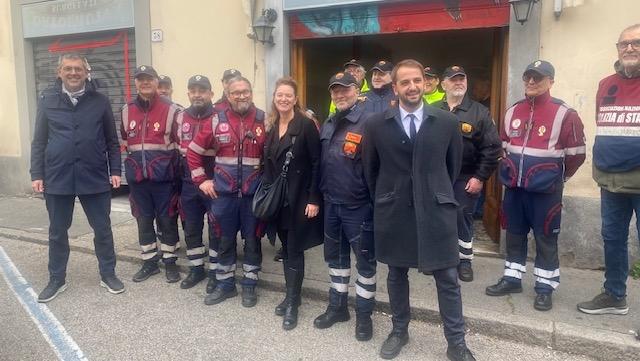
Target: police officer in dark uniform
(482,149)
(348,222)
(381,96)
(193,204)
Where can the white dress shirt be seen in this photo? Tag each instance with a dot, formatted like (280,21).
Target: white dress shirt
(406,120)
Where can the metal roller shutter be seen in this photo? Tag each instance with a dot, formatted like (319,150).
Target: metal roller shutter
(111,56)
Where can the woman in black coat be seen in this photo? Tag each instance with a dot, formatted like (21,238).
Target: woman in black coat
(299,224)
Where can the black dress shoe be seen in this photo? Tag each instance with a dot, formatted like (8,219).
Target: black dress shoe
(249,297)
(503,287)
(364,328)
(193,278)
(149,268)
(543,302)
(465,272)
(330,317)
(219,294)
(54,288)
(459,353)
(393,344)
(171,272)
(211,284)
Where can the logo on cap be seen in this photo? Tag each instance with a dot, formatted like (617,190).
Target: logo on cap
(143,68)
(537,63)
(455,68)
(339,75)
(198,77)
(233,71)
(382,62)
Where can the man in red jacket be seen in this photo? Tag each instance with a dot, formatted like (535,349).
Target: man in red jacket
(149,134)
(236,133)
(544,145)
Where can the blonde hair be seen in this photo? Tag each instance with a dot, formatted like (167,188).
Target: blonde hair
(273,115)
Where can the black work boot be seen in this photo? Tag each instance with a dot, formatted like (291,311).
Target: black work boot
(503,287)
(196,274)
(293,279)
(149,268)
(543,302)
(219,294)
(171,272)
(249,297)
(465,272)
(331,316)
(211,283)
(364,327)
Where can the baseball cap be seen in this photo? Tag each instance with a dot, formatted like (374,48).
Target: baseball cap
(541,67)
(200,80)
(146,70)
(230,73)
(163,79)
(353,62)
(431,71)
(343,79)
(383,66)
(452,71)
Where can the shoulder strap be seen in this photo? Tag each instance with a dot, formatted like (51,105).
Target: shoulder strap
(289,156)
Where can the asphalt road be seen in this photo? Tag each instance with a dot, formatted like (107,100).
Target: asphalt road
(155,320)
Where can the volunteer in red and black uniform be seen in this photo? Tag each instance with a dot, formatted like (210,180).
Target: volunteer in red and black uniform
(544,145)
(237,135)
(348,211)
(616,169)
(482,151)
(165,86)
(381,96)
(194,205)
(149,134)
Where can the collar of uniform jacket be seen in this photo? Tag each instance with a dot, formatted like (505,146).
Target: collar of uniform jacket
(464,105)
(201,113)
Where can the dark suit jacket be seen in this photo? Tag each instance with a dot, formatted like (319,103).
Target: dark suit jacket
(412,187)
(303,178)
(74,148)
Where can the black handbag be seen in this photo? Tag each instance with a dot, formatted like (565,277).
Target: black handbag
(270,198)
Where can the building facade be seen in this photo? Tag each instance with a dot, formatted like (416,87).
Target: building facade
(311,40)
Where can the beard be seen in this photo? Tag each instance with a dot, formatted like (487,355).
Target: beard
(241,107)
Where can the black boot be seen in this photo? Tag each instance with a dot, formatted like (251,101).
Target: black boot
(211,283)
(293,279)
(280,308)
(196,274)
(364,327)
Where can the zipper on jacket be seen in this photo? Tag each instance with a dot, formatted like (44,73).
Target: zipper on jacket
(524,144)
(241,137)
(144,136)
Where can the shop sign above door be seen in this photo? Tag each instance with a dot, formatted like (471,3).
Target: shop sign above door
(61,17)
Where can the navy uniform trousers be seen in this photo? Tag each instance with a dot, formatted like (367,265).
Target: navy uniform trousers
(97,208)
(467,204)
(349,228)
(234,214)
(193,207)
(522,211)
(155,200)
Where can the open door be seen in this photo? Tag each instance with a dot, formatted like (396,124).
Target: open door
(493,188)
(299,70)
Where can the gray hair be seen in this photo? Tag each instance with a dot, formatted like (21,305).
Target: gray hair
(239,78)
(74,56)
(630,28)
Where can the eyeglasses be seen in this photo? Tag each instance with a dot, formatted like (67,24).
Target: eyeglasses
(623,45)
(240,93)
(535,77)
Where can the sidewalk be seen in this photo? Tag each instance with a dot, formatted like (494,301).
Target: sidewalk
(511,317)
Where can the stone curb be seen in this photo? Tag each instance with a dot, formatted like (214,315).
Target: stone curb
(598,344)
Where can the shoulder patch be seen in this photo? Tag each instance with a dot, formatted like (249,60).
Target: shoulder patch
(259,115)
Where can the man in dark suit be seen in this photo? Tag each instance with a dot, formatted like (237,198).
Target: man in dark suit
(75,152)
(412,156)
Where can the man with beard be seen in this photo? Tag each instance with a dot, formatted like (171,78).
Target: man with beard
(193,204)
(482,150)
(226,76)
(412,156)
(237,135)
(381,95)
(358,71)
(616,169)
